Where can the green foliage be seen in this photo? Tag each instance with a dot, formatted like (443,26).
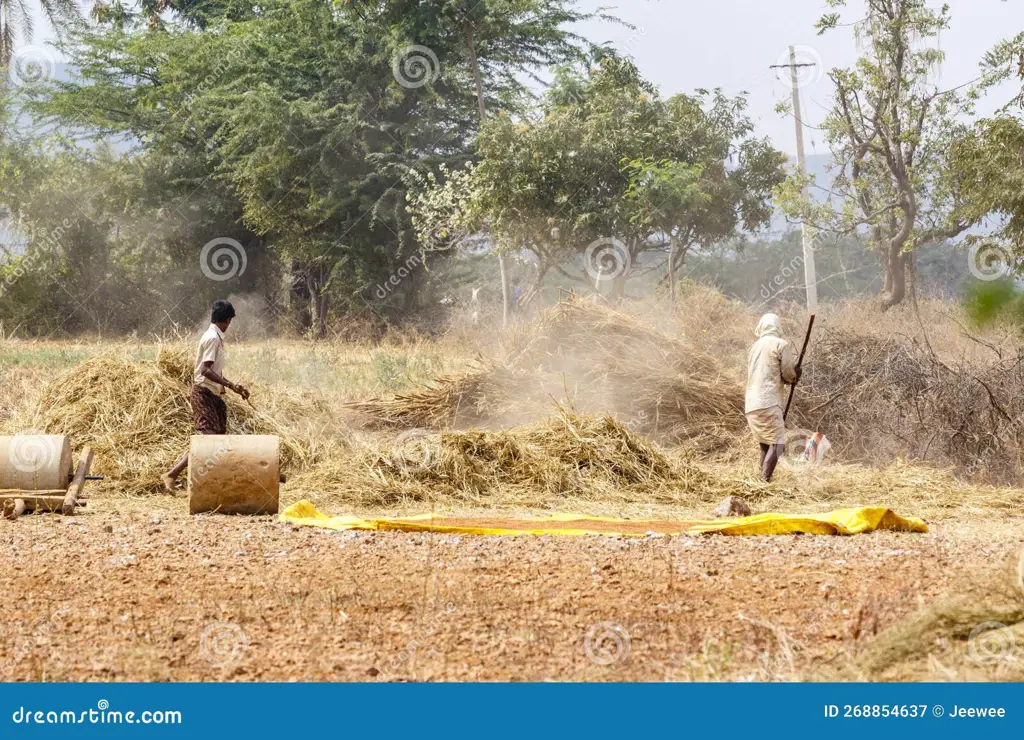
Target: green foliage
(990,301)
(605,157)
(292,127)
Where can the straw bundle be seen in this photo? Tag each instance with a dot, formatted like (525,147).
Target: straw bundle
(137,417)
(540,464)
(466,399)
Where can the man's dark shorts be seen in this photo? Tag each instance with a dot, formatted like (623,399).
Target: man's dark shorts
(209,412)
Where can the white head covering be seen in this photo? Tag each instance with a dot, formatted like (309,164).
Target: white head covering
(768,326)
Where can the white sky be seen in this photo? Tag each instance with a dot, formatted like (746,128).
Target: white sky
(682,45)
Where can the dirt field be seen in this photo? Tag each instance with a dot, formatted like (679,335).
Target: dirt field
(129,592)
(134,589)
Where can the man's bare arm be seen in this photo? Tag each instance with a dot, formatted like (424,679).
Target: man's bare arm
(214,377)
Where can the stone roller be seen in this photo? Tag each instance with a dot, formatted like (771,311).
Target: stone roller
(35,462)
(234,474)
(36,475)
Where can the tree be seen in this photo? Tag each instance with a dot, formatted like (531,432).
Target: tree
(300,119)
(988,156)
(16,14)
(890,131)
(609,171)
(502,40)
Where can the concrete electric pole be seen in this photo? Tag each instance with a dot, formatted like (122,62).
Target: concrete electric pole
(810,276)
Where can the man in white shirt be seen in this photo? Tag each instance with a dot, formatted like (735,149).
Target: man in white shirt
(771,362)
(209,411)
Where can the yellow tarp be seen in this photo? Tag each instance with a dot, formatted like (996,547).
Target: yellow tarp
(839,522)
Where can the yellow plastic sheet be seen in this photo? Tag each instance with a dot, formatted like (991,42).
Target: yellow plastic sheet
(839,522)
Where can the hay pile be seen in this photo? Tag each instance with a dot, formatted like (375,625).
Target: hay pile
(596,359)
(136,416)
(548,464)
(467,399)
(573,462)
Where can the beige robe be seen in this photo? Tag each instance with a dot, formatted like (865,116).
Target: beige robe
(771,363)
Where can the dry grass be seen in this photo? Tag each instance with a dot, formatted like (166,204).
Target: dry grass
(977,634)
(589,408)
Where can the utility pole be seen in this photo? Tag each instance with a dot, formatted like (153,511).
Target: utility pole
(810,276)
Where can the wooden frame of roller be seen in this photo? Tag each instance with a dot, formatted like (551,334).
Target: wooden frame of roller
(17,502)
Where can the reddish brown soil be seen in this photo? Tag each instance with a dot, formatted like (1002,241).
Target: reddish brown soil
(135,595)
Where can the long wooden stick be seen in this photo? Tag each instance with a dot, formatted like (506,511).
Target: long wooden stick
(799,364)
(75,487)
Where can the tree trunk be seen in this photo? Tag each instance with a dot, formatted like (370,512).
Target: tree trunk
(317,302)
(321,317)
(912,278)
(504,289)
(672,269)
(534,290)
(896,279)
(299,296)
(412,293)
(478,82)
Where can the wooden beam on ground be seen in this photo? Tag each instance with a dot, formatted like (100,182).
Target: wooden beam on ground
(19,492)
(34,502)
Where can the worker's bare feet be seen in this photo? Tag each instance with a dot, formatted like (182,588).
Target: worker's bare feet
(168,481)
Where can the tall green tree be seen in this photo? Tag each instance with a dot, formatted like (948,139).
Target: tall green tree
(610,172)
(303,118)
(890,131)
(502,42)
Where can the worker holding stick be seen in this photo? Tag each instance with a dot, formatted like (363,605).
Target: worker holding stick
(771,363)
(209,411)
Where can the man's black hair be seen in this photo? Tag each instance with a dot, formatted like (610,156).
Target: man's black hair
(222,311)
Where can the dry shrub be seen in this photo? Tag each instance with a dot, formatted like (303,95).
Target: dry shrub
(137,416)
(883,396)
